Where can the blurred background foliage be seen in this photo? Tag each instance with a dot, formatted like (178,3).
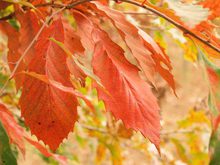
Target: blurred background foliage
(99,139)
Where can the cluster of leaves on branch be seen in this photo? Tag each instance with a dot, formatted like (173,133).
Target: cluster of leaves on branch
(53,46)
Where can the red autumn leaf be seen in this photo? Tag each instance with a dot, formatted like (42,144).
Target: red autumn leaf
(125,94)
(73,44)
(17,135)
(84,30)
(76,71)
(14,131)
(204,29)
(160,58)
(19,40)
(125,28)
(128,97)
(145,50)
(47,90)
(43,10)
(13,52)
(30,25)
(48,111)
(59,86)
(72,40)
(214,6)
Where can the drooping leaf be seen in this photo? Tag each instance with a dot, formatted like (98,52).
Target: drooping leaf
(13,52)
(180,150)
(84,30)
(14,132)
(39,99)
(145,50)
(73,46)
(128,97)
(7,156)
(121,84)
(72,40)
(125,29)
(59,86)
(30,25)
(17,135)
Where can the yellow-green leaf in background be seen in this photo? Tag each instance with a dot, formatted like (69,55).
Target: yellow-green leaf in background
(21,2)
(194,117)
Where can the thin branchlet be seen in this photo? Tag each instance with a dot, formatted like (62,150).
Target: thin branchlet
(142,5)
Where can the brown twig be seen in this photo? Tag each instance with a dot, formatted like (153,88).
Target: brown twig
(91,128)
(148,8)
(27,49)
(69,6)
(165,133)
(182,28)
(139,13)
(7,17)
(62,7)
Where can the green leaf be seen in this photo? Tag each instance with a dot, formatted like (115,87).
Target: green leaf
(21,2)
(6,154)
(215,157)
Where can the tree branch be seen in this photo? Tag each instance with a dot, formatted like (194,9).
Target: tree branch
(28,48)
(62,7)
(182,28)
(69,6)
(7,17)
(179,26)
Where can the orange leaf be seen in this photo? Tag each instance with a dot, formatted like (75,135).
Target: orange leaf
(14,131)
(30,25)
(17,135)
(145,50)
(13,50)
(214,6)
(48,111)
(129,97)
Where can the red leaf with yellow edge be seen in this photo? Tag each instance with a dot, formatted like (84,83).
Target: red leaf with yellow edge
(48,111)
(128,97)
